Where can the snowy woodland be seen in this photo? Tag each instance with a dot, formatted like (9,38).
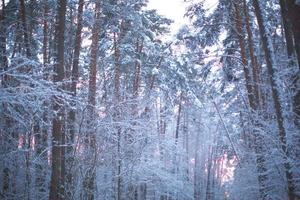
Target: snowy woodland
(99,102)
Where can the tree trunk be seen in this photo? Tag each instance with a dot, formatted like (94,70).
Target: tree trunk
(72,113)
(238,25)
(178,118)
(24,28)
(269,57)
(42,132)
(293,15)
(117,112)
(3,32)
(253,58)
(57,122)
(252,92)
(287,31)
(89,184)
(291,53)
(197,169)
(45,33)
(208,191)
(293,10)
(137,76)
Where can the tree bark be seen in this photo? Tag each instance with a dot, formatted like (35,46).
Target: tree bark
(238,25)
(293,10)
(291,52)
(208,192)
(253,58)
(178,118)
(252,92)
(3,53)
(24,28)
(57,132)
(197,170)
(89,185)
(72,112)
(269,57)
(293,16)
(137,76)
(45,33)
(117,112)
(287,31)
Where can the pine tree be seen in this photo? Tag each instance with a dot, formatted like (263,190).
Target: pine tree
(57,130)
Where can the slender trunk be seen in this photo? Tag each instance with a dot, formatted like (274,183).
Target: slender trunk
(208,180)
(176,156)
(197,170)
(253,58)
(137,76)
(161,127)
(72,112)
(186,143)
(293,15)
(42,132)
(141,188)
(293,10)
(152,81)
(69,52)
(214,184)
(63,156)
(57,122)
(253,94)
(292,57)
(45,33)
(117,113)
(287,31)
(41,145)
(24,28)
(3,34)
(117,70)
(178,118)
(269,57)
(28,163)
(117,98)
(241,36)
(8,136)
(89,184)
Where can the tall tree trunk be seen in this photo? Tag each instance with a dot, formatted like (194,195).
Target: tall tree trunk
(197,169)
(3,34)
(178,118)
(287,31)
(208,191)
(186,141)
(293,16)
(89,185)
(9,134)
(117,98)
(253,58)
(72,113)
(117,113)
(42,132)
(137,75)
(240,34)
(141,189)
(41,145)
(57,123)
(45,33)
(252,92)
(287,20)
(269,57)
(293,12)
(24,28)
